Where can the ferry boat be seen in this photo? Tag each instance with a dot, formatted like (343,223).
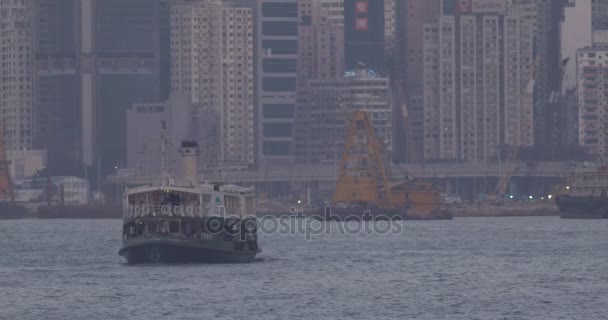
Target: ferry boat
(187,222)
(588,195)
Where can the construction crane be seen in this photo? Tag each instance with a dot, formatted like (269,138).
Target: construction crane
(364,179)
(6,186)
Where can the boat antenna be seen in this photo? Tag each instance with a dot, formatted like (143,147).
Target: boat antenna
(163,152)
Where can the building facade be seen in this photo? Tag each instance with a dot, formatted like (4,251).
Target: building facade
(478,83)
(212,54)
(592,91)
(324,109)
(17,113)
(277,56)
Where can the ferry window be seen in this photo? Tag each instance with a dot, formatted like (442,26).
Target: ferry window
(174,227)
(233,205)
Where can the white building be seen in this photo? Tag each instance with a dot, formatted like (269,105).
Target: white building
(470,57)
(16,74)
(212,61)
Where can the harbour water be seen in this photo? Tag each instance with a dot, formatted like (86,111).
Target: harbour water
(467,268)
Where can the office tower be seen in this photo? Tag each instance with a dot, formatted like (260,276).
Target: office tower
(277,43)
(126,46)
(94,59)
(592,87)
(57,94)
(17,114)
(326,105)
(212,56)
(364,35)
(478,82)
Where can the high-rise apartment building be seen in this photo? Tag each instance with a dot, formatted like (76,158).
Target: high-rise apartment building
(17,113)
(277,56)
(592,90)
(478,82)
(325,106)
(411,17)
(212,54)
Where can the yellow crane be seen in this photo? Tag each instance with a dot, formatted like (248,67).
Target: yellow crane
(364,177)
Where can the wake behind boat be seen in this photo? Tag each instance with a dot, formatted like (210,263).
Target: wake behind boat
(188,222)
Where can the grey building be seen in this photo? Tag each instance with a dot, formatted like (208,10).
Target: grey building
(277,49)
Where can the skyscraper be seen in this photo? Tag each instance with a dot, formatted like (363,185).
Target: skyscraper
(212,56)
(478,82)
(277,36)
(17,116)
(411,16)
(94,59)
(57,94)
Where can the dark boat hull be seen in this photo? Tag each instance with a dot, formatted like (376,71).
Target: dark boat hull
(9,211)
(163,252)
(572,207)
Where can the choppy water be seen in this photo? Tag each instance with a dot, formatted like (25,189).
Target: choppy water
(512,268)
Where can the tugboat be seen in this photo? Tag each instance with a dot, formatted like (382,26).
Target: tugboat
(588,195)
(188,222)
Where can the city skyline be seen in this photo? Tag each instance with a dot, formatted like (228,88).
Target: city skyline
(72,70)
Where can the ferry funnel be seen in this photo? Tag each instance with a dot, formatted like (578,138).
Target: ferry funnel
(189,153)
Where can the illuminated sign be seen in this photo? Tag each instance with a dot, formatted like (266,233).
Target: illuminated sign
(361,24)
(463,6)
(352,73)
(488,6)
(362,7)
(361,10)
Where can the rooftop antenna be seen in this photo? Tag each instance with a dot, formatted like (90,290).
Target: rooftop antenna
(163,153)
